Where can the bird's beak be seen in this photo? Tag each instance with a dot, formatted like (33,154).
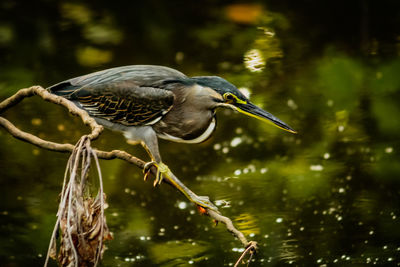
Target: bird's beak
(252,110)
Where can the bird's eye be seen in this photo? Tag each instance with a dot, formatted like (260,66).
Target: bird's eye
(229,97)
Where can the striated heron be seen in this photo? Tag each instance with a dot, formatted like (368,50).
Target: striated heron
(145,102)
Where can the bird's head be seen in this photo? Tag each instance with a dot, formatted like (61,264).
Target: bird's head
(230,97)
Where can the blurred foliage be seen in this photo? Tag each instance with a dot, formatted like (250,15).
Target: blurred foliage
(328,195)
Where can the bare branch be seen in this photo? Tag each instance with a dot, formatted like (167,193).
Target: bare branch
(43,93)
(251,248)
(96,130)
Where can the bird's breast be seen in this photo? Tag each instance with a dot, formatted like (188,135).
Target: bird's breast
(190,138)
(192,128)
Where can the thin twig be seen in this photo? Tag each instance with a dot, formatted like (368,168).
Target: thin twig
(70,198)
(229,225)
(251,248)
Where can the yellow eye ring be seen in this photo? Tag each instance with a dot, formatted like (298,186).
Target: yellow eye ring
(229,97)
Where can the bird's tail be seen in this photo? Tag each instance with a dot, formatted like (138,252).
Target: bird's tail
(64,89)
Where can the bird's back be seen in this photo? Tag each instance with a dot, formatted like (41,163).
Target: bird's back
(136,75)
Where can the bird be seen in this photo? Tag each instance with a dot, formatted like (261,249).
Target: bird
(148,102)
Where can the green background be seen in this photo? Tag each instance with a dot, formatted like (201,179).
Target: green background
(328,196)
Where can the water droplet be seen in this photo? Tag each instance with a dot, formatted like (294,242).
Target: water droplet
(340,128)
(217,146)
(236,141)
(279,220)
(263,170)
(182,205)
(342,190)
(237,172)
(327,156)
(316,167)
(225,150)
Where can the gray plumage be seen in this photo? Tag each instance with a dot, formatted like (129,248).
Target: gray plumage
(143,100)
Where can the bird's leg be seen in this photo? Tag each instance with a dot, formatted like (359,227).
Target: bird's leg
(151,148)
(163,172)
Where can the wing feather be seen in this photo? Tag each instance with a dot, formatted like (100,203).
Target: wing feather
(130,95)
(128,105)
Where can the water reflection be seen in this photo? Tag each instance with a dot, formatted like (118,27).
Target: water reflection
(327,196)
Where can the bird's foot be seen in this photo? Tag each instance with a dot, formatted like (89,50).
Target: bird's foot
(162,170)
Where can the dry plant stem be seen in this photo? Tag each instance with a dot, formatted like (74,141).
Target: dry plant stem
(101,204)
(70,210)
(251,248)
(95,132)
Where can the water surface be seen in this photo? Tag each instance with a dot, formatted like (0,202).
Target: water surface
(328,196)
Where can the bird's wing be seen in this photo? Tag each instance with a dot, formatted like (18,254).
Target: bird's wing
(125,104)
(130,95)
(142,75)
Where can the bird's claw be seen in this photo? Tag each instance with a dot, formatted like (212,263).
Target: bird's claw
(147,169)
(162,169)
